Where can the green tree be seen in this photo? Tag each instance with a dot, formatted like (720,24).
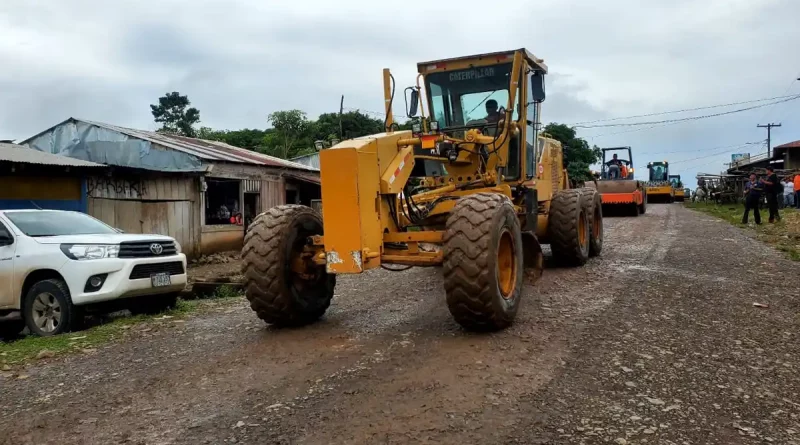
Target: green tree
(354,124)
(174,116)
(578,156)
(291,127)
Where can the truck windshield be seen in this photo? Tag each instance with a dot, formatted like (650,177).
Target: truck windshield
(470,96)
(55,223)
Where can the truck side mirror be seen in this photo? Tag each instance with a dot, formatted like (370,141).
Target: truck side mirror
(537,86)
(411,108)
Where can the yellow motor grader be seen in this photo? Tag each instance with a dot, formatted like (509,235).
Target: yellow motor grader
(473,188)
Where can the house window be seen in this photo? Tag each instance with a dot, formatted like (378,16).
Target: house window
(222,201)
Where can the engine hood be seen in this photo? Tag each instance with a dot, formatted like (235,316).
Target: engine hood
(100,239)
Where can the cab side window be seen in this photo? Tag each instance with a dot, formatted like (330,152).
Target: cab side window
(514,153)
(530,132)
(5,236)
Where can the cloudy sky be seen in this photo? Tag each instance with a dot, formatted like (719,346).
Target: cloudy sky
(239,60)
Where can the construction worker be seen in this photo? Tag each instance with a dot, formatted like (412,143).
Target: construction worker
(752,198)
(491,111)
(614,167)
(772,186)
(788,193)
(797,190)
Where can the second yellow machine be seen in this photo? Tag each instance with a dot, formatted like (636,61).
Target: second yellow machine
(473,189)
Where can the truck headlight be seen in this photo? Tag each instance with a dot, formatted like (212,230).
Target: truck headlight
(90,251)
(178,248)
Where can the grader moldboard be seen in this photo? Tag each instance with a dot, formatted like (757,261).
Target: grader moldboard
(473,192)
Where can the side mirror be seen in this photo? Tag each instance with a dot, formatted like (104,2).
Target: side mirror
(412,103)
(537,86)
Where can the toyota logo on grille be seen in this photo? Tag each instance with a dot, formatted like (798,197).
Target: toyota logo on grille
(156,248)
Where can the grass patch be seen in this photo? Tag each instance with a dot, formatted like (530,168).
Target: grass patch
(27,348)
(784,235)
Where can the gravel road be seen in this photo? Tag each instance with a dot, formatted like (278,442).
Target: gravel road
(657,341)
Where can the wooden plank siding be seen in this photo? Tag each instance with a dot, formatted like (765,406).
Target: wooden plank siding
(273,193)
(167,205)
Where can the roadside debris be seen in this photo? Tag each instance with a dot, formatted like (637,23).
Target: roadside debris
(217,258)
(45,353)
(761,305)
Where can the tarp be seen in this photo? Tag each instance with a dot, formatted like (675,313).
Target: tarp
(81,140)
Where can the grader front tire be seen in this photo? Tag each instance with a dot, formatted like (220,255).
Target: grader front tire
(568,228)
(483,262)
(278,293)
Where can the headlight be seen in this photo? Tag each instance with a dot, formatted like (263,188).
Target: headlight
(434,125)
(177,247)
(90,251)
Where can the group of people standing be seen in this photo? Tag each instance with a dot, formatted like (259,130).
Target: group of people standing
(773,189)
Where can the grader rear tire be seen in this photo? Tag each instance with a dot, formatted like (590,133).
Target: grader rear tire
(594,208)
(568,228)
(483,262)
(278,294)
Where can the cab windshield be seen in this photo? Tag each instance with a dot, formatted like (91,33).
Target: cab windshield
(658,172)
(469,97)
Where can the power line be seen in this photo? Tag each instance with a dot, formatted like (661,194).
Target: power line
(789,87)
(692,118)
(714,148)
(720,152)
(708,107)
(631,131)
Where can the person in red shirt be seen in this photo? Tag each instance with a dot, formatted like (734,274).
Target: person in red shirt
(797,191)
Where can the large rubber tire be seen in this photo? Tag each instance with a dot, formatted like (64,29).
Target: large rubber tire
(643,207)
(10,330)
(70,317)
(568,228)
(594,208)
(482,294)
(276,294)
(153,304)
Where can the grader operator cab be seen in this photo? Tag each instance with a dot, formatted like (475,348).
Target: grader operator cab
(616,184)
(659,188)
(465,190)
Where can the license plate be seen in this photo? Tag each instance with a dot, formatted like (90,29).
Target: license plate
(160,279)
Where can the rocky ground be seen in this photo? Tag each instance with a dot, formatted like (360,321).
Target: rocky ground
(658,341)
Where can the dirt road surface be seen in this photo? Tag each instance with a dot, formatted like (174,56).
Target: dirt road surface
(655,342)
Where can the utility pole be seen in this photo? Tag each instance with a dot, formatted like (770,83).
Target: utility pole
(769,136)
(341,110)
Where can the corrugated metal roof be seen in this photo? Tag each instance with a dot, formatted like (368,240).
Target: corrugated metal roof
(25,155)
(311,160)
(306,177)
(201,148)
(795,144)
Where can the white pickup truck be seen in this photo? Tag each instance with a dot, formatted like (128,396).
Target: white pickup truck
(55,265)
